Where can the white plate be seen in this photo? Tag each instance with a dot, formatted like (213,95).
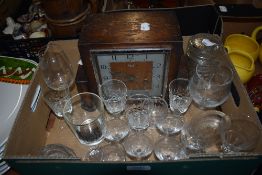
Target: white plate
(11,97)
(15,76)
(2,163)
(2,150)
(2,145)
(4,169)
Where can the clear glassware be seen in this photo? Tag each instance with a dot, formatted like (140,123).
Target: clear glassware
(157,108)
(56,68)
(179,96)
(138,145)
(57,151)
(242,136)
(109,152)
(137,101)
(204,49)
(114,95)
(84,113)
(138,118)
(55,99)
(169,148)
(210,85)
(116,129)
(205,132)
(169,124)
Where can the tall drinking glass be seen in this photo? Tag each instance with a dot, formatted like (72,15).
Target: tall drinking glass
(84,113)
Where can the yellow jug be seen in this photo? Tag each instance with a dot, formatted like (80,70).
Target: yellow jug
(243,43)
(254,36)
(243,63)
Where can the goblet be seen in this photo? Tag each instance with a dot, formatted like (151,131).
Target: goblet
(113,93)
(56,68)
(210,85)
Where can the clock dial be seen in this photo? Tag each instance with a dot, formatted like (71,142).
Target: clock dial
(143,71)
(136,75)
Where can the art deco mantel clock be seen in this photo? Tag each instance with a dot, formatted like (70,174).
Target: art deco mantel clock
(141,48)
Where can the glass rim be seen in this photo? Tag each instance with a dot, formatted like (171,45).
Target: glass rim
(78,95)
(111,80)
(177,79)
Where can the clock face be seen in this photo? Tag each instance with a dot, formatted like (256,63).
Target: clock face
(143,71)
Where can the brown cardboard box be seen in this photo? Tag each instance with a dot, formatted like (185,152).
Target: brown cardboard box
(30,134)
(239,16)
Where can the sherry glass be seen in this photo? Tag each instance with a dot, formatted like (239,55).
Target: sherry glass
(138,145)
(179,96)
(168,147)
(113,93)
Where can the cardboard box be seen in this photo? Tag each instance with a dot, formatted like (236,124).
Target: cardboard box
(239,18)
(30,132)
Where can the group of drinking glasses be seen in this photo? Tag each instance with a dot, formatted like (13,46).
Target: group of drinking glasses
(129,123)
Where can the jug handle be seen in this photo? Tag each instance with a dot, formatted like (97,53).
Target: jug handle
(255,32)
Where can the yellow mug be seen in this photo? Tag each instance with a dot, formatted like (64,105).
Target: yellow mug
(243,63)
(243,43)
(254,36)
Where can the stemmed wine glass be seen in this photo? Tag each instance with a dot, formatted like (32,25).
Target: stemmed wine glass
(210,85)
(138,145)
(58,76)
(56,68)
